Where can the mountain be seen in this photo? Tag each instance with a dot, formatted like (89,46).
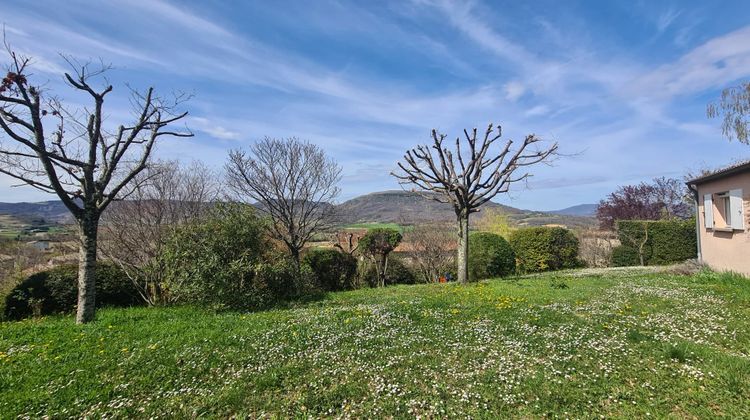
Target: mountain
(51,211)
(402,207)
(406,207)
(579,210)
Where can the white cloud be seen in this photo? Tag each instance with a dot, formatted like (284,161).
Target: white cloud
(715,63)
(514,90)
(537,111)
(209,127)
(666,18)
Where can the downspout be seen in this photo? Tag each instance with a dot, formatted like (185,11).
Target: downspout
(694,189)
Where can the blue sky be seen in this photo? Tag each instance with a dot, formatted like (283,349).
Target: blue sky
(622,86)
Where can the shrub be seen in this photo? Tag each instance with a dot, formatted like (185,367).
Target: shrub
(276,281)
(669,241)
(333,270)
(398,272)
(224,262)
(56,291)
(624,256)
(490,255)
(544,248)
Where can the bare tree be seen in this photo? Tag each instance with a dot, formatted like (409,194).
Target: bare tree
(469,180)
(293,181)
(432,247)
(135,230)
(734,109)
(347,241)
(70,152)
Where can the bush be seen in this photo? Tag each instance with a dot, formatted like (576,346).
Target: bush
(490,255)
(669,241)
(624,256)
(333,270)
(544,248)
(276,281)
(398,272)
(56,291)
(224,261)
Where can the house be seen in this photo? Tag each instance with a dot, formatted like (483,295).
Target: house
(722,200)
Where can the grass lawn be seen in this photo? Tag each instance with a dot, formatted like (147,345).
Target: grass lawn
(619,344)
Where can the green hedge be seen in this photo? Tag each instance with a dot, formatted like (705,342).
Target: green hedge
(490,255)
(333,269)
(544,248)
(56,291)
(669,241)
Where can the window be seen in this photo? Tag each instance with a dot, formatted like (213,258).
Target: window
(724,211)
(725,208)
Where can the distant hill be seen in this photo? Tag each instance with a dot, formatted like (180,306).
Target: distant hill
(51,211)
(579,210)
(402,207)
(406,207)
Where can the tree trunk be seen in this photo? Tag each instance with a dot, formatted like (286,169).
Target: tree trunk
(463,247)
(295,257)
(88,227)
(382,268)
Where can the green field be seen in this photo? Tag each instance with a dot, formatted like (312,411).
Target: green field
(619,344)
(375,226)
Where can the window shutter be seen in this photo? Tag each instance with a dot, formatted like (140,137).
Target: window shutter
(738,213)
(708,211)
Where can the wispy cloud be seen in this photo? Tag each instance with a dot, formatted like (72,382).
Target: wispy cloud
(368,82)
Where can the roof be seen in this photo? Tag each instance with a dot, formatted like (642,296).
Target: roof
(734,169)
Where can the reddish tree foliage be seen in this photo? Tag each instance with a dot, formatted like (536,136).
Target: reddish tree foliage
(661,199)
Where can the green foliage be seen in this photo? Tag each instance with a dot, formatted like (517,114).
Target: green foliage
(223,262)
(624,256)
(56,291)
(380,241)
(669,241)
(495,221)
(397,272)
(394,226)
(490,255)
(544,248)
(334,270)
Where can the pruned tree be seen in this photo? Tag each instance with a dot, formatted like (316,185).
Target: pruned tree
(469,178)
(134,231)
(734,110)
(71,153)
(293,181)
(378,243)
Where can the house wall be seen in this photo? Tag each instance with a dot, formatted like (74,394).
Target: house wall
(725,250)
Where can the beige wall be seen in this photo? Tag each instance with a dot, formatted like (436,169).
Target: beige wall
(725,250)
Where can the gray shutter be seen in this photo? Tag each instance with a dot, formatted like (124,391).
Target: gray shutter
(736,207)
(708,211)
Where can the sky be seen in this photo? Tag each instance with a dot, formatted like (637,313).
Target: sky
(621,86)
